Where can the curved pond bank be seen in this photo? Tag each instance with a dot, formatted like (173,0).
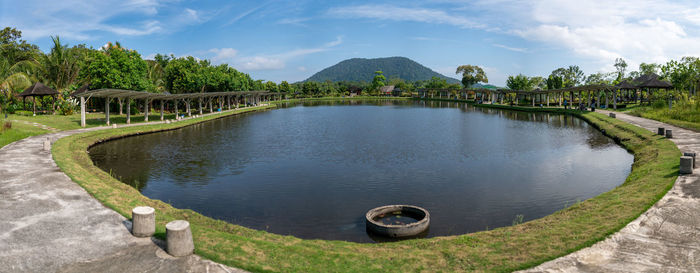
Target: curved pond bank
(312,170)
(499,250)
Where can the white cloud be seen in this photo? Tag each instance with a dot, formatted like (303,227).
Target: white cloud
(294,21)
(395,13)
(302,68)
(267,62)
(81,20)
(223,54)
(260,63)
(516,49)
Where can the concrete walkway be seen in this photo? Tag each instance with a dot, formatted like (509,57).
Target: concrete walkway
(51,224)
(666,238)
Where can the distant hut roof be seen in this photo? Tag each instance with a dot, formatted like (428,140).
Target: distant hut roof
(354,89)
(651,81)
(80,90)
(386,89)
(626,85)
(38,89)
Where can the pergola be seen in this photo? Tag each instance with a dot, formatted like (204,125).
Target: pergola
(38,90)
(493,95)
(247,97)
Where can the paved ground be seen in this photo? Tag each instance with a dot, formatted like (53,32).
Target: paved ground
(666,238)
(50,224)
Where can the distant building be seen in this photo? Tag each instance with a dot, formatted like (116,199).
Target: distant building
(354,91)
(386,90)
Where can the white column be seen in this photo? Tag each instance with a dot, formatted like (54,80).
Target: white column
(82,111)
(162,108)
(107,109)
(128,111)
(145,108)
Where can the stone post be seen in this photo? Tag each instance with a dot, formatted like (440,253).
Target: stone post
(143,221)
(690,155)
(686,165)
(661,131)
(47,144)
(162,108)
(179,238)
(612,115)
(669,133)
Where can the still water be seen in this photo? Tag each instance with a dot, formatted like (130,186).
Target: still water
(313,170)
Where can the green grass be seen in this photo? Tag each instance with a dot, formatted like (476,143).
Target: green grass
(18,131)
(71,122)
(505,249)
(685,114)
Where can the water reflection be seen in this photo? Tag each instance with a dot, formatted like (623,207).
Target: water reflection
(314,169)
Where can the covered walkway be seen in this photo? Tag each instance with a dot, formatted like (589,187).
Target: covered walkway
(228,99)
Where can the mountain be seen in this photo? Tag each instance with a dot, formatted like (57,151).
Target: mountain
(359,69)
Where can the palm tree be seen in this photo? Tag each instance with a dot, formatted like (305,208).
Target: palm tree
(60,67)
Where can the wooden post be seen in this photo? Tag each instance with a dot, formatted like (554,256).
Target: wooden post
(82,111)
(128,110)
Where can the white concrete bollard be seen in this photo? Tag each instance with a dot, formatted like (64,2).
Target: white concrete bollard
(669,133)
(47,144)
(114,125)
(179,238)
(143,221)
(686,165)
(167,121)
(612,115)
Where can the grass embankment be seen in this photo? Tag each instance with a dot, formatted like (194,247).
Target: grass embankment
(499,250)
(685,114)
(17,131)
(71,122)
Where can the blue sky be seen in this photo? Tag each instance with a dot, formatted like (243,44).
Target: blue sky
(291,40)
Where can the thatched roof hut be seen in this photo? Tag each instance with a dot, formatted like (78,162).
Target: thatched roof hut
(651,81)
(38,90)
(626,85)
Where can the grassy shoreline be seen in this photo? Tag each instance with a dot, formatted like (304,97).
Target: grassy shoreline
(500,250)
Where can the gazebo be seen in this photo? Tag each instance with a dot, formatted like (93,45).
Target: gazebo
(38,90)
(623,86)
(651,81)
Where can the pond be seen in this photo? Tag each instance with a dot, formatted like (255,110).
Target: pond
(313,170)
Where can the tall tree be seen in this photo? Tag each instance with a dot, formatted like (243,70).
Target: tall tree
(620,66)
(118,68)
(61,66)
(471,74)
(378,81)
(520,82)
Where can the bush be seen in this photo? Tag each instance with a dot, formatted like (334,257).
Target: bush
(23,113)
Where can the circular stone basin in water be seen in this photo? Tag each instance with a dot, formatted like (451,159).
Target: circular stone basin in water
(398,221)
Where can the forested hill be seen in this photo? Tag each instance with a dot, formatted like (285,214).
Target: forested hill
(362,70)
